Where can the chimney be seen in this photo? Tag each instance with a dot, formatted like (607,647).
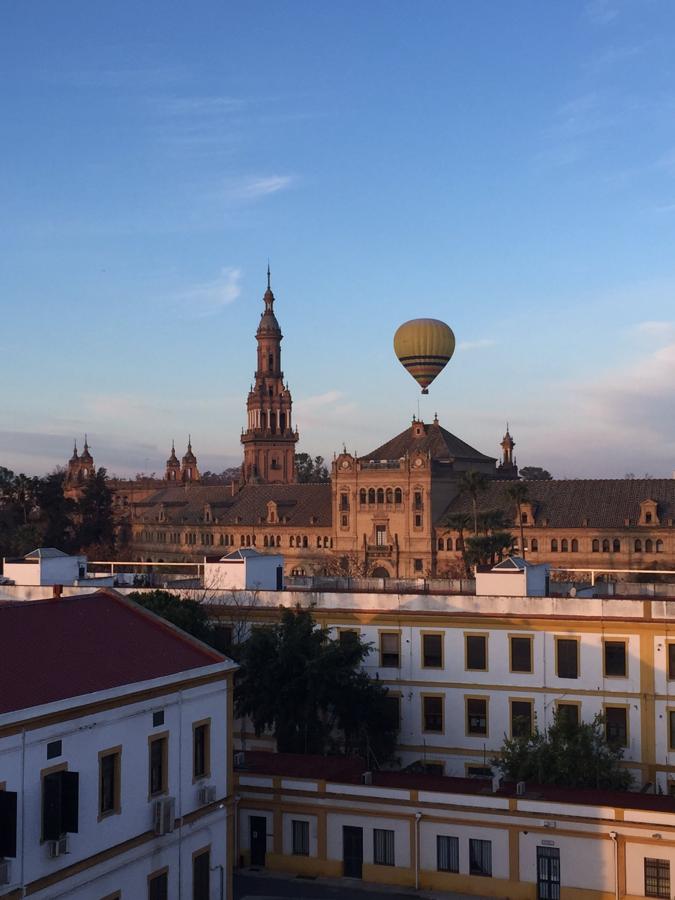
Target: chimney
(57,591)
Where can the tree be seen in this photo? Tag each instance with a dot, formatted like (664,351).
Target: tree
(57,513)
(311,691)
(517,493)
(190,615)
(487,549)
(535,473)
(473,483)
(96,526)
(568,754)
(310,470)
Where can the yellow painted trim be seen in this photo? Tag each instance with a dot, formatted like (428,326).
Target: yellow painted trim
(397,632)
(610,639)
(441,635)
(530,703)
(522,637)
(567,637)
(423,698)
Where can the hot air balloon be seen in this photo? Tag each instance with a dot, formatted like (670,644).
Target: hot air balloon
(424,347)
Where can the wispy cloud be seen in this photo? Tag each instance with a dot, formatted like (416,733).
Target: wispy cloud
(320,410)
(479,344)
(209,297)
(601,12)
(197,106)
(253,187)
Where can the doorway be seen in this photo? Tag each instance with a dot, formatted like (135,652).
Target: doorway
(258,825)
(352,851)
(548,873)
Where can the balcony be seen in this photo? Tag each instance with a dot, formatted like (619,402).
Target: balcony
(380,549)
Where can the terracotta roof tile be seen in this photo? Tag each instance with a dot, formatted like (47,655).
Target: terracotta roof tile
(442,444)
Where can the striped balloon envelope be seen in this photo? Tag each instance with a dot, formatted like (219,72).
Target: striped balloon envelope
(424,347)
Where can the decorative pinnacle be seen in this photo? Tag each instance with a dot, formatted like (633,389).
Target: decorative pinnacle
(86,445)
(269,288)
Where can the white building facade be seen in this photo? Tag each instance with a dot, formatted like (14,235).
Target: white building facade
(124,791)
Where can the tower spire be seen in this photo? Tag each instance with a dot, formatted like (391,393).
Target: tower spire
(269,285)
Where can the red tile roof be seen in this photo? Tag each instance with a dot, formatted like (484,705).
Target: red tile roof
(349,771)
(57,649)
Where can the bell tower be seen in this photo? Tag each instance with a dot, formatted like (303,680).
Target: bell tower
(269,440)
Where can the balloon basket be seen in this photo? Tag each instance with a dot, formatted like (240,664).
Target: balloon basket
(425,390)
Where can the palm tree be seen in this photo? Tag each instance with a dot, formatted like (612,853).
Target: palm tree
(517,492)
(473,483)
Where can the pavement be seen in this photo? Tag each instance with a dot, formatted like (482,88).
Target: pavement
(258,884)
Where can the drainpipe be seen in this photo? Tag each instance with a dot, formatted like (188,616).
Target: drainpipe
(222,880)
(614,836)
(418,816)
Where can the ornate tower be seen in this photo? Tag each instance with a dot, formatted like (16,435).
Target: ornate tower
(269,440)
(507,467)
(188,470)
(172,466)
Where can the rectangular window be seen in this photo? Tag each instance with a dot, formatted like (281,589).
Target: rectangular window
(432,651)
(671,662)
(380,535)
(521,654)
(447,853)
(521,718)
(567,656)
(348,635)
(569,712)
(158,886)
(158,718)
(109,782)
(54,749)
(418,565)
(418,500)
(390,649)
(418,521)
(479,771)
(433,714)
(300,837)
(616,725)
(201,747)
(383,847)
(476,715)
(201,876)
(476,652)
(657,877)
(344,521)
(480,857)
(615,659)
(158,766)
(671,729)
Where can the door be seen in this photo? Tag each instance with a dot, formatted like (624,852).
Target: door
(548,873)
(352,851)
(258,840)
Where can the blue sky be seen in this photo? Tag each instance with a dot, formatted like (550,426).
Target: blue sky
(506,167)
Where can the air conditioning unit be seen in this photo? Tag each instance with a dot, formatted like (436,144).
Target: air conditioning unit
(58,848)
(520,788)
(239,759)
(367,778)
(206,794)
(164,815)
(5,871)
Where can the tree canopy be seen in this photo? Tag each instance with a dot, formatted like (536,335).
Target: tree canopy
(190,615)
(568,754)
(311,691)
(535,473)
(310,470)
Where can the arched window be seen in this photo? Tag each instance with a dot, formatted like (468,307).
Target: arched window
(554,546)
(535,545)
(331,543)
(398,495)
(362,495)
(265,542)
(459,543)
(616,545)
(292,541)
(659,546)
(304,541)
(649,546)
(380,495)
(389,495)
(371,495)
(298,542)
(241,540)
(440,544)
(248,540)
(638,546)
(318,541)
(575,545)
(448,544)
(278,540)
(325,543)
(523,518)
(605,546)
(595,546)
(564,546)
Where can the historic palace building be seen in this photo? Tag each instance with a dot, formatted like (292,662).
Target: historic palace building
(390,513)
